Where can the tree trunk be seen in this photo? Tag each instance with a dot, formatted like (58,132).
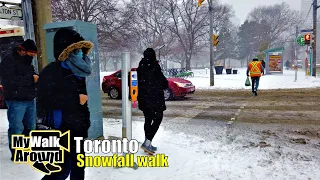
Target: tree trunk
(115,64)
(188,61)
(188,66)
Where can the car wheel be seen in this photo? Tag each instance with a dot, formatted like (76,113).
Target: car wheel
(114,93)
(168,95)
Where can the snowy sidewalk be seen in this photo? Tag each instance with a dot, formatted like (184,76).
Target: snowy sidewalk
(190,157)
(236,81)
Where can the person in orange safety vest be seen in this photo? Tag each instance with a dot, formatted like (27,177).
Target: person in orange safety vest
(255,69)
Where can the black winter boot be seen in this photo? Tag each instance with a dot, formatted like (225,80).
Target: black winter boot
(13,152)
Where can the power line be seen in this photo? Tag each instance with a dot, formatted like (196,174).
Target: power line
(307,15)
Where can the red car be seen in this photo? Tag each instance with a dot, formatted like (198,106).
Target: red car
(177,87)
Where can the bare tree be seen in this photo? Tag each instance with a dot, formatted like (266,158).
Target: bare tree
(85,10)
(112,18)
(276,22)
(150,28)
(181,26)
(191,25)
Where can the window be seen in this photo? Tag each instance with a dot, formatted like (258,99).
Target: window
(118,74)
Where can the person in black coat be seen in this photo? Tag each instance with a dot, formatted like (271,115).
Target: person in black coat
(263,63)
(151,86)
(62,96)
(18,78)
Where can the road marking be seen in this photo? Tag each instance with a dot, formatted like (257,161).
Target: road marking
(201,108)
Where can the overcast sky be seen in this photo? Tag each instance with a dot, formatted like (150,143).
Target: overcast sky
(243,7)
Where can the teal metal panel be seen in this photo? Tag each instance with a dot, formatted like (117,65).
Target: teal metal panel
(89,32)
(277,49)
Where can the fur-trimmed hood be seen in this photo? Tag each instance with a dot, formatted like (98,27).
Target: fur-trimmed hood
(86,47)
(67,40)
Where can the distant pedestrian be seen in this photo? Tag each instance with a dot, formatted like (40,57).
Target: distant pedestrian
(255,69)
(18,80)
(151,85)
(263,63)
(62,96)
(287,64)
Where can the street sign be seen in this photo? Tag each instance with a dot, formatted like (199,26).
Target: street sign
(10,12)
(307,30)
(300,40)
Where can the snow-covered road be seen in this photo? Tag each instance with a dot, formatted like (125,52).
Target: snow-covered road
(202,149)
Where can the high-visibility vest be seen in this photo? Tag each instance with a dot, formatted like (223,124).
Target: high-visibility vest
(255,69)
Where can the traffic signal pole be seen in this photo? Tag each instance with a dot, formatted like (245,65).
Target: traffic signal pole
(296,56)
(211,45)
(314,44)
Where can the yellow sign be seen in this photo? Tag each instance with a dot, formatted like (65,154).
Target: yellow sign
(200,2)
(134,87)
(275,63)
(215,40)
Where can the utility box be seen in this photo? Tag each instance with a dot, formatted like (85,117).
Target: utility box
(89,33)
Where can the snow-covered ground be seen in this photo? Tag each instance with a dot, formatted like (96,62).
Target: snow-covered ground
(237,81)
(191,156)
(201,80)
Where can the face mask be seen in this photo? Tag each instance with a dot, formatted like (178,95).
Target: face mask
(28,59)
(79,53)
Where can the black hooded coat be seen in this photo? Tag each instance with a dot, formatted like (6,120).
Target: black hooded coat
(151,84)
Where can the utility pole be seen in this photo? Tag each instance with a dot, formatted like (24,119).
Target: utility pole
(296,45)
(211,45)
(314,44)
(296,55)
(42,15)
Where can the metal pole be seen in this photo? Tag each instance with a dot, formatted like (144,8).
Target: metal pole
(296,56)
(28,25)
(296,44)
(311,62)
(126,105)
(211,45)
(314,44)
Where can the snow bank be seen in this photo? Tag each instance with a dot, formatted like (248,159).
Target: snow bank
(236,81)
